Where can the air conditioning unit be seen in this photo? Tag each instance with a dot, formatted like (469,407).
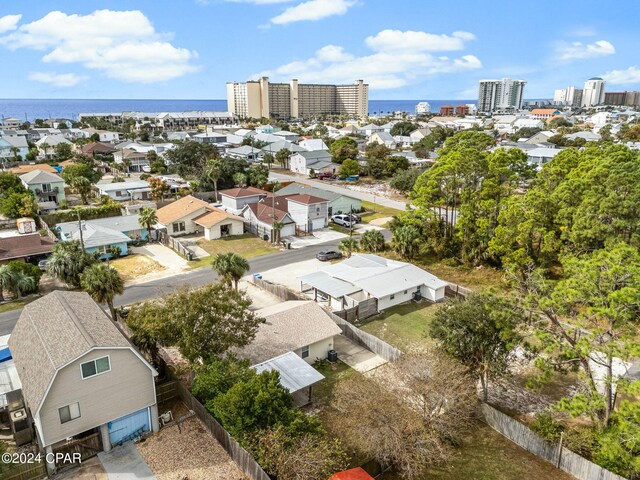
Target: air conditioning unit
(21,427)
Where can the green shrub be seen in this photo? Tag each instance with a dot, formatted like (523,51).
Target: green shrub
(545,426)
(28,269)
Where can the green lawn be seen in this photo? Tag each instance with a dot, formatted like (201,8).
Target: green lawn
(333,373)
(377,211)
(403,326)
(247,245)
(5,307)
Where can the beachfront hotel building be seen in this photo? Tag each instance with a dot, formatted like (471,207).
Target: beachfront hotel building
(261,98)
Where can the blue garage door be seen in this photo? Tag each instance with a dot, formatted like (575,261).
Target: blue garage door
(128,427)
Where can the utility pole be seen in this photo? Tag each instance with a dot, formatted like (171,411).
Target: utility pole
(273,211)
(80,230)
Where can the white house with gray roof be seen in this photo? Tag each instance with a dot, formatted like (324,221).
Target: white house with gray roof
(364,277)
(46,186)
(80,375)
(319,161)
(338,202)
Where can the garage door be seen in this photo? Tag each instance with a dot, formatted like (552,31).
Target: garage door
(288,230)
(128,427)
(317,223)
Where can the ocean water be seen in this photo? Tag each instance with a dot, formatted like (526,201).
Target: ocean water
(30,109)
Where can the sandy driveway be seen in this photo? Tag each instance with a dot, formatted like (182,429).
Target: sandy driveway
(170,260)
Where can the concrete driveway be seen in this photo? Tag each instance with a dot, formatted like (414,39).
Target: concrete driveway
(357,357)
(163,255)
(125,463)
(318,236)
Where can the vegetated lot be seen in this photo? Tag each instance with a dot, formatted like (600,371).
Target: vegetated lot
(135,266)
(187,452)
(375,210)
(403,326)
(247,245)
(487,455)
(333,373)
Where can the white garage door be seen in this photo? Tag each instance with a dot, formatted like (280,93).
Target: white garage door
(317,223)
(288,230)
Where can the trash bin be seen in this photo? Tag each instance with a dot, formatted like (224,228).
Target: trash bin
(332,356)
(189,256)
(288,245)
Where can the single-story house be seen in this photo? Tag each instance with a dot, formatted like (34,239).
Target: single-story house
(308,211)
(190,215)
(97,238)
(245,152)
(338,202)
(317,161)
(234,199)
(588,136)
(80,375)
(127,224)
(298,326)
(366,277)
(46,186)
(259,219)
(27,247)
(540,156)
(123,191)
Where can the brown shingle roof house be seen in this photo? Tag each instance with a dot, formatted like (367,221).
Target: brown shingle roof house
(23,246)
(79,373)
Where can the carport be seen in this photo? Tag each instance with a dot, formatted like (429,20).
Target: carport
(296,375)
(319,285)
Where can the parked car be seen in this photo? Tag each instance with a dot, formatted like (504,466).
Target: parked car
(343,220)
(356,218)
(42,265)
(326,176)
(325,255)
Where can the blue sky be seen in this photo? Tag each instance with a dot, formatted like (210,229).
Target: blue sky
(405,49)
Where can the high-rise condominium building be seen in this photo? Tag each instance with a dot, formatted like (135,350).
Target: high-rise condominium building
(571,96)
(593,92)
(261,98)
(500,95)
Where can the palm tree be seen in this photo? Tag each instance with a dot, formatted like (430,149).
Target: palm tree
(268,159)
(213,172)
(348,246)
(231,267)
(21,284)
(68,261)
(45,146)
(103,283)
(81,185)
(372,241)
(148,219)
(6,280)
(15,151)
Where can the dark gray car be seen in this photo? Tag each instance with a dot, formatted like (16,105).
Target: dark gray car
(325,255)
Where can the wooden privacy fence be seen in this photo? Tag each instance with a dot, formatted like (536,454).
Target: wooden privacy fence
(43,225)
(564,459)
(174,244)
(239,455)
(87,447)
(366,340)
(258,230)
(453,290)
(279,291)
(166,391)
(27,471)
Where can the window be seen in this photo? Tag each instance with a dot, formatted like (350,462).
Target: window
(69,412)
(392,297)
(178,227)
(102,249)
(405,292)
(46,187)
(305,352)
(95,367)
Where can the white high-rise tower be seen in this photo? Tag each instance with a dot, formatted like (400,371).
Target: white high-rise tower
(593,92)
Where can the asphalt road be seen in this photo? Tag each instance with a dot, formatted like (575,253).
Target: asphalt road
(194,278)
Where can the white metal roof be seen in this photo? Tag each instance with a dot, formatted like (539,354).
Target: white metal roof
(330,285)
(295,373)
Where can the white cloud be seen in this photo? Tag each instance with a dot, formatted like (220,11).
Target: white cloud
(9,22)
(616,77)
(259,2)
(57,79)
(579,50)
(389,66)
(122,44)
(313,10)
(393,40)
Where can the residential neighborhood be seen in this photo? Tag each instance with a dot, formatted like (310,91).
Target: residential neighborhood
(417,262)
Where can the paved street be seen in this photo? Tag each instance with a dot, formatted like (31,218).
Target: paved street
(194,278)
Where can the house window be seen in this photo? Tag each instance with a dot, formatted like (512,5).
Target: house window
(46,187)
(392,297)
(69,412)
(178,227)
(305,352)
(405,292)
(102,249)
(95,367)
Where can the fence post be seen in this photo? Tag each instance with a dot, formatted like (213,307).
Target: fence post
(560,450)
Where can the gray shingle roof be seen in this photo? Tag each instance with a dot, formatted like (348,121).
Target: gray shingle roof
(53,331)
(124,223)
(289,326)
(40,176)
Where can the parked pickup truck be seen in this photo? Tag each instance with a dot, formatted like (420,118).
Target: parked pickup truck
(326,176)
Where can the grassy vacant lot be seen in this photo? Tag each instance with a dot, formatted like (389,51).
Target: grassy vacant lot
(135,266)
(487,455)
(247,245)
(377,211)
(403,326)
(5,307)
